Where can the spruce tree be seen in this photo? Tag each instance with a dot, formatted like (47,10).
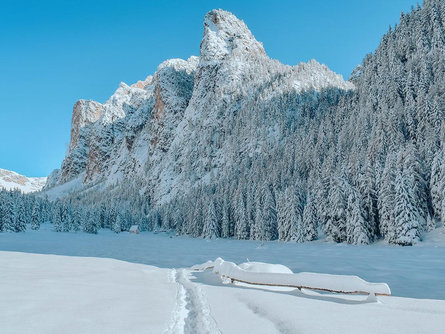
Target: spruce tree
(211,230)
(309,222)
(356,225)
(406,218)
(436,184)
(269,215)
(35,217)
(241,220)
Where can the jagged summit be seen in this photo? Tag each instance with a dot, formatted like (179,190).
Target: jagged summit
(224,33)
(188,65)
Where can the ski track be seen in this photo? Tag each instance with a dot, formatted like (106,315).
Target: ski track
(192,314)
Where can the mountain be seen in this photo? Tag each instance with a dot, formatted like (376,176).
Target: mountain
(11,180)
(148,130)
(235,144)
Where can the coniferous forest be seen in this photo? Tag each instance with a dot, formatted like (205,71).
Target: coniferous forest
(349,166)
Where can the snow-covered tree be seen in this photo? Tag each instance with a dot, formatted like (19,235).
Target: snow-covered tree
(356,225)
(211,229)
(309,222)
(406,217)
(35,217)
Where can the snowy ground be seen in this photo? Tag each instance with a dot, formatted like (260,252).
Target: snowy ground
(55,294)
(60,294)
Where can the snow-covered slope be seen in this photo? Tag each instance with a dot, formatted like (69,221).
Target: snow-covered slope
(11,180)
(168,132)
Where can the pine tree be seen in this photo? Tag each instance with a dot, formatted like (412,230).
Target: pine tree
(118,223)
(241,227)
(103,216)
(20,222)
(65,217)
(386,199)
(9,214)
(437,183)
(282,222)
(269,229)
(356,226)
(225,221)
(76,219)
(406,219)
(309,221)
(90,223)
(35,217)
(211,230)
(336,221)
(57,218)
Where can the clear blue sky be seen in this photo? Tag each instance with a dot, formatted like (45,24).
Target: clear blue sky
(53,53)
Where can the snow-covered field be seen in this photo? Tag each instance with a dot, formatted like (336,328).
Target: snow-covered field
(63,294)
(90,290)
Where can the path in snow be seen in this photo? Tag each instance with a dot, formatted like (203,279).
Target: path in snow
(199,318)
(180,312)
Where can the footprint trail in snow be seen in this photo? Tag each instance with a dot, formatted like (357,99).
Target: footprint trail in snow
(192,314)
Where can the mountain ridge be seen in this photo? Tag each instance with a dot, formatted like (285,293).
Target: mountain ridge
(10,180)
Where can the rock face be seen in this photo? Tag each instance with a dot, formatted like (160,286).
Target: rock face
(11,180)
(172,131)
(84,113)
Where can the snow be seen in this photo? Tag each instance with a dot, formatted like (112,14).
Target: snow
(53,294)
(177,64)
(134,228)
(264,274)
(260,267)
(241,310)
(10,180)
(66,188)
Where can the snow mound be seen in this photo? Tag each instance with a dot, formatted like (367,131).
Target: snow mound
(324,282)
(261,267)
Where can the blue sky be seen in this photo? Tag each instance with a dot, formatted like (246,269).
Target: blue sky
(53,53)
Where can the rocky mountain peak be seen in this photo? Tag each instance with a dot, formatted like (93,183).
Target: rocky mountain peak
(143,83)
(223,34)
